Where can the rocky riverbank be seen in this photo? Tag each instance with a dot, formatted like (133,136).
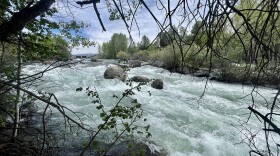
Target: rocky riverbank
(231,74)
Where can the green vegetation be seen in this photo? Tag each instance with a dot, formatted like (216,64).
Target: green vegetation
(117,43)
(176,50)
(145,43)
(54,48)
(123,56)
(24,38)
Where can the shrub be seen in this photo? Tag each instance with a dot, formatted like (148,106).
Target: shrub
(166,57)
(141,55)
(197,57)
(123,56)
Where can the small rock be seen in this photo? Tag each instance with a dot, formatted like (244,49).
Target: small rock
(135,63)
(202,73)
(140,79)
(157,84)
(131,148)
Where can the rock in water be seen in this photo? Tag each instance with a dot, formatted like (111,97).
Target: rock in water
(139,79)
(157,84)
(131,148)
(135,63)
(115,72)
(202,73)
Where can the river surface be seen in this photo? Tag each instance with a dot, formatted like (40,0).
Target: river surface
(181,121)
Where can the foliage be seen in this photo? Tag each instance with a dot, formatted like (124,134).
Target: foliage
(141,55)
(117,43)
(145,42)
(164,39)
(169,57)
(198,34)
(31,35)
(167,37)
(132,48)
(120,118)
(50,48)
(123,56)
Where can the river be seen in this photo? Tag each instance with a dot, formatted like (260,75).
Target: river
(181,121)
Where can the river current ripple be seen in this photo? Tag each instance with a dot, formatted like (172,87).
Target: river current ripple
(181,121)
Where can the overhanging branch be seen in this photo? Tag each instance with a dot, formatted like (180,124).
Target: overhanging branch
(23,17)
(81,3)
(265,119)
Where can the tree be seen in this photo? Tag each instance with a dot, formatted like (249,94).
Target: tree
(117,43)
(164,39)
(198,33)
(132,48)
(145,42)
(63,50)
(55,48)
(38,39)
(99,49)
(167,37)
(26,12)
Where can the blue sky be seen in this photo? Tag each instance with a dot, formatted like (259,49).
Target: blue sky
(146,23)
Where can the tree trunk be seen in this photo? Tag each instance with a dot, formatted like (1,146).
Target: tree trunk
(17,101)
(19,19)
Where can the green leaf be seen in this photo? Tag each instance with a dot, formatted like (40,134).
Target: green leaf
(102,114)
(138,105)
(79,89)
(99,107)
(134,101)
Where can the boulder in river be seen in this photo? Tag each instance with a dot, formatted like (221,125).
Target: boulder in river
(115,72)
(131,148)
(140,79)
(157,84)
(135,63)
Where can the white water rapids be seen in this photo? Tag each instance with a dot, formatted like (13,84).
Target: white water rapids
(180,123)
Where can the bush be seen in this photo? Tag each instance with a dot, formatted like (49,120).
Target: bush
(165,58)
(170,58)
(142,55)
(123,56)
(197,58)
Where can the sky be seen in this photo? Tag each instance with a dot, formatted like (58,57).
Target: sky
(146,23)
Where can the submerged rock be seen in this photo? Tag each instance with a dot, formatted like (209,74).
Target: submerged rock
(157,84)
(115,72)
(132,148)
(140,79)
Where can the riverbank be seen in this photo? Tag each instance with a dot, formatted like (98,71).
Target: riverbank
(230,74)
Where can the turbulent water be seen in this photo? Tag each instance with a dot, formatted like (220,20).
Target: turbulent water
(181,121)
